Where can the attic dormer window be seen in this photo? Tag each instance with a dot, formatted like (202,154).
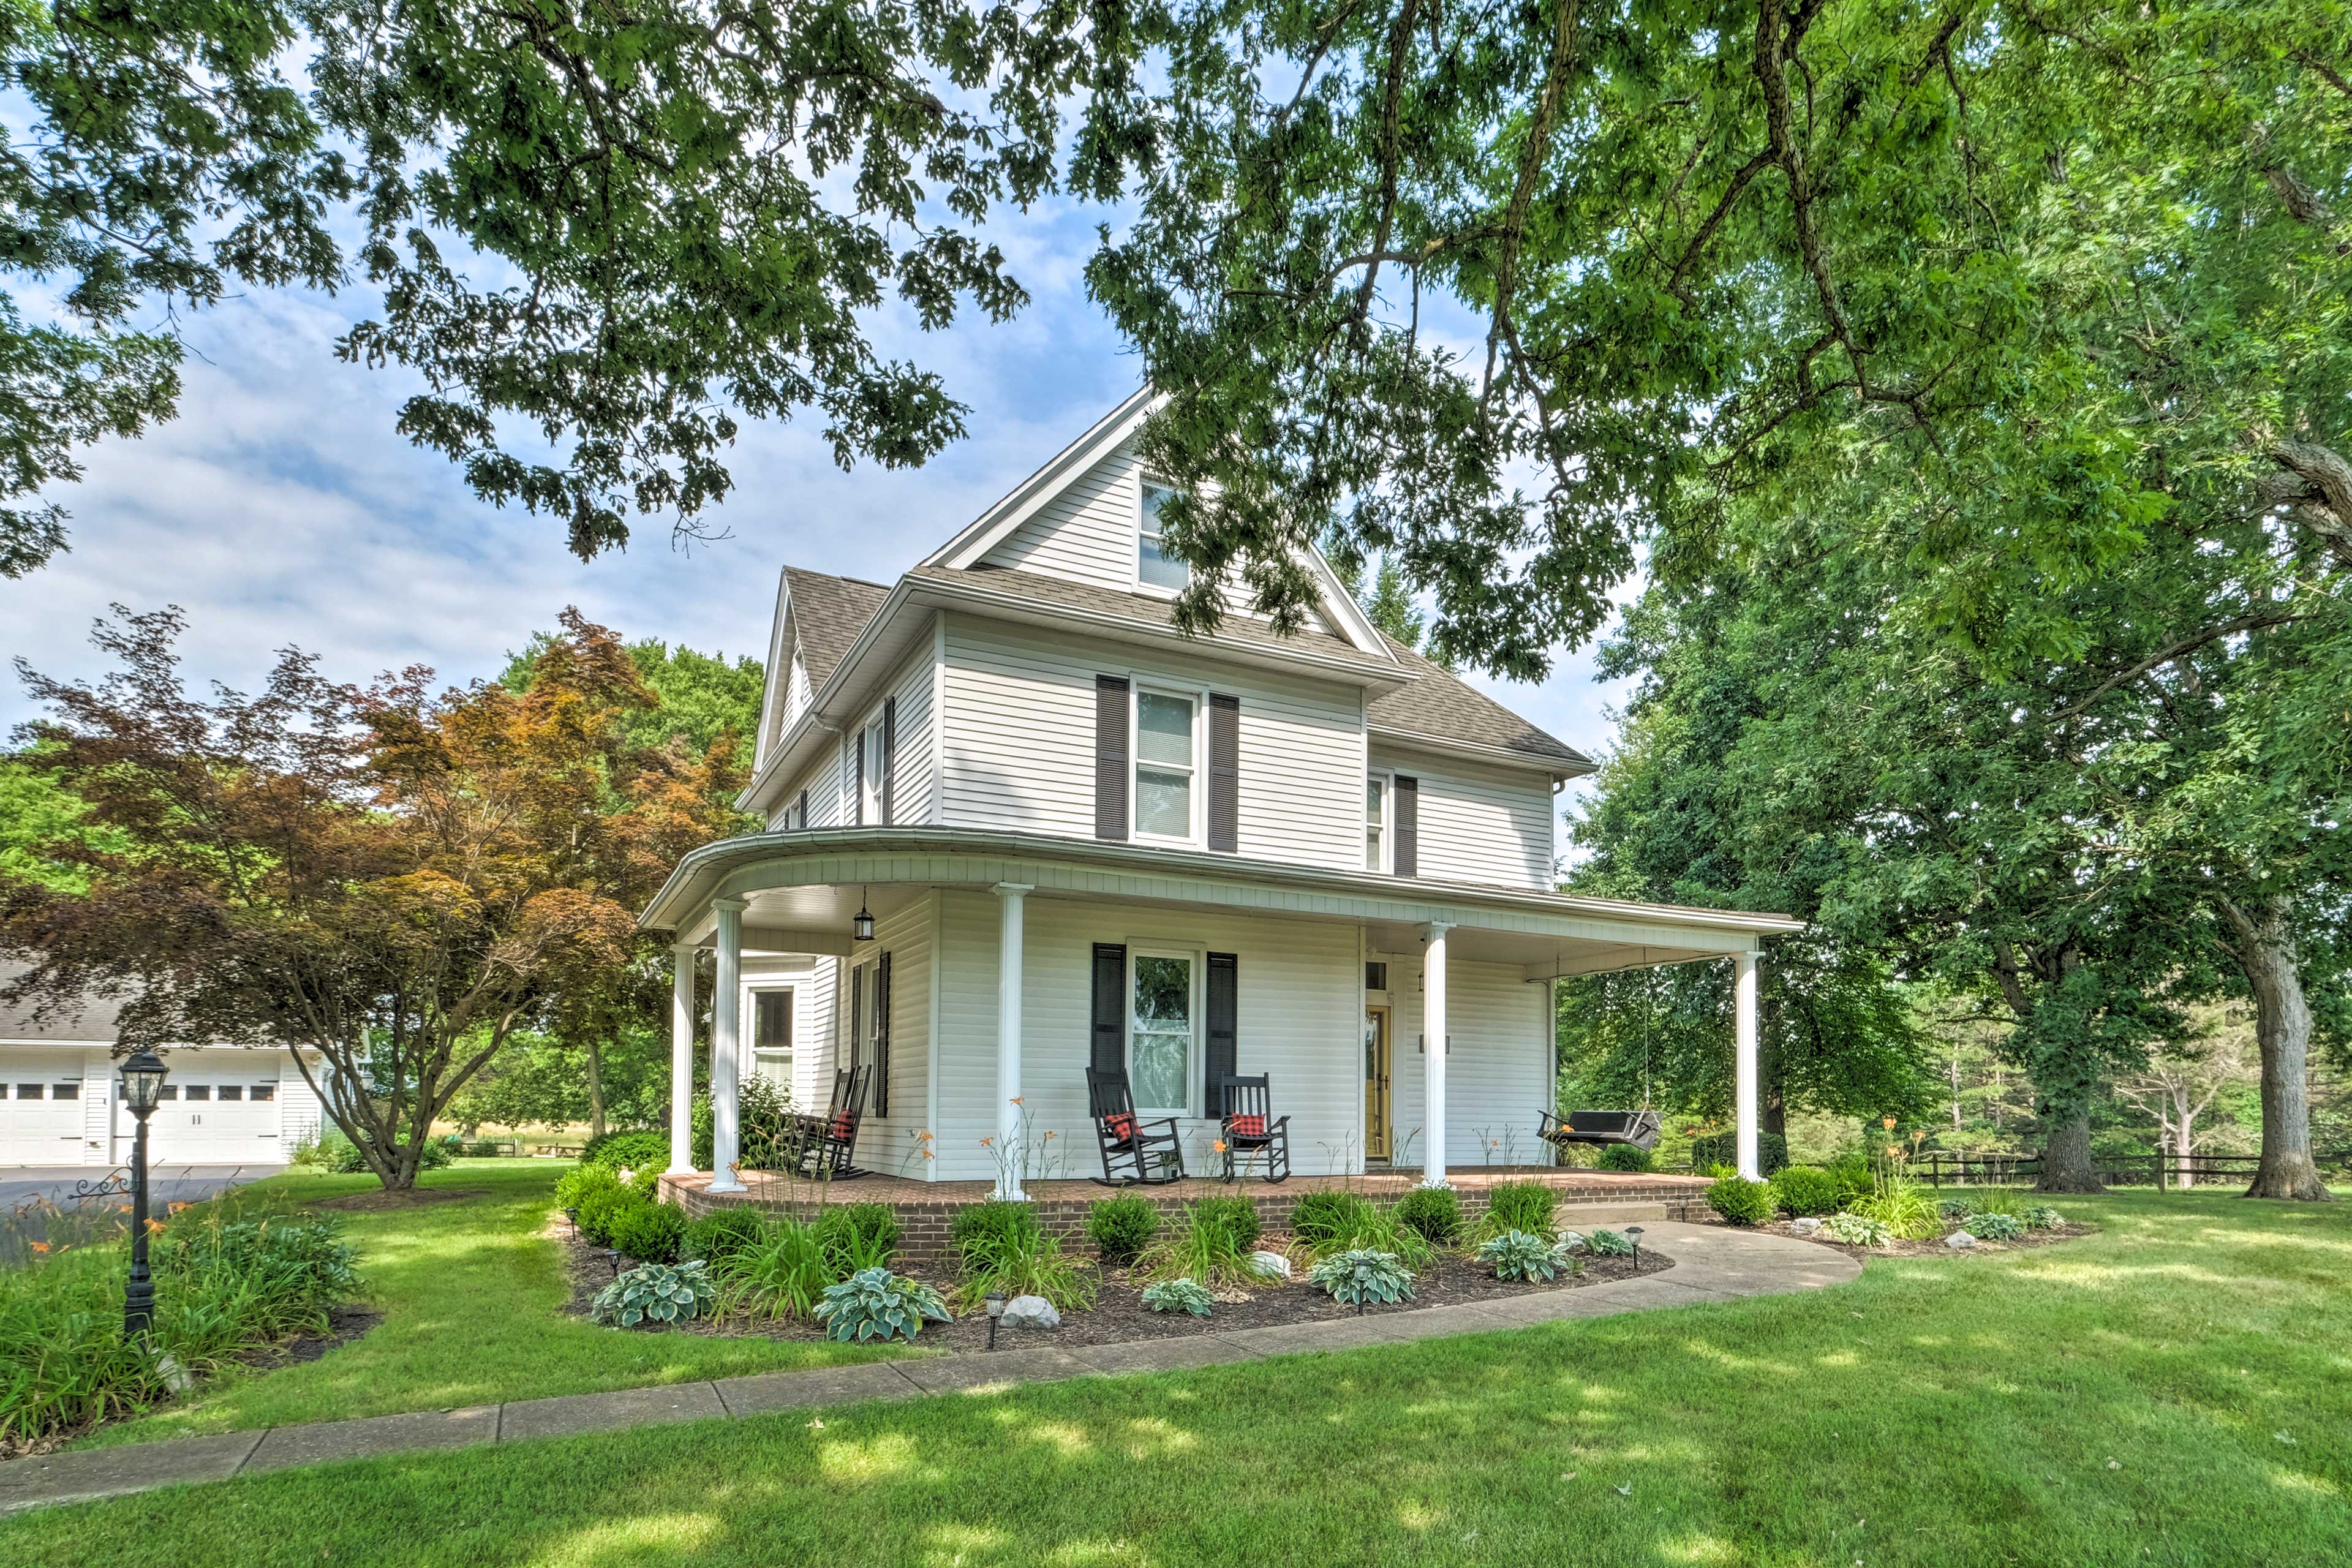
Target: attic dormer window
(1154,567)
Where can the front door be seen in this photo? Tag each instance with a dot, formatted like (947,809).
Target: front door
(1376,1083)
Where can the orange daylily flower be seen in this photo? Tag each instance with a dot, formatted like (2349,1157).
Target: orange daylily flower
(1016,1100)
(174,1208)
(929,1156)
(1218,1147)
(40,1246)
(154,1228)
(1051,1133)
(987,1142)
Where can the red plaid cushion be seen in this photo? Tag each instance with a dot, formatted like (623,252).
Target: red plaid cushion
(1119,1125)
(843,1123)
(1248,1126)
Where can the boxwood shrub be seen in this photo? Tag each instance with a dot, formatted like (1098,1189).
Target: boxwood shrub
(631,1151)
(1623,1157)
(1723,1149)
(1807,1190)
(858,1236)
(1436,1212)
(649,1232)
(1121,1227)
(1741,1202)
(722,1233)
(1238,1217)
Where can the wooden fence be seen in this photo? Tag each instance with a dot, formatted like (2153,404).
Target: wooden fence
(1939,1167)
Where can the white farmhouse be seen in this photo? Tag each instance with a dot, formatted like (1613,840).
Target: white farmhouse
(1087,840)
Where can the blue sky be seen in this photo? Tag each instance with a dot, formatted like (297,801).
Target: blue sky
(283,508)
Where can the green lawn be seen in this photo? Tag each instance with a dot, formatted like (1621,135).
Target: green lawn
(2177,1390)
(470,1293)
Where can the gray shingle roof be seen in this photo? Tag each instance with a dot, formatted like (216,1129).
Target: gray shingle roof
(830,612)
(92,1019)
(1442,706)
(1133,607)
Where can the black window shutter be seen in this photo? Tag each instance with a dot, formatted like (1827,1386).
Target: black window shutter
(882,1034)
(1225,771)
(1408,826)
(857,777)
(890,779)
(1224,1000)
(1110,756)
(857,1017)
(800,816)
(1109,1053)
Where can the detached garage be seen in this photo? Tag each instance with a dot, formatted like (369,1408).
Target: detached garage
(221,1105)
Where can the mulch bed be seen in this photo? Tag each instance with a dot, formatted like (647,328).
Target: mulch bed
(344,1324)
(1118,1314)
(1934,1248)
(412,1197)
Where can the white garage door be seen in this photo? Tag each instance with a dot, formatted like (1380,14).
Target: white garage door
(40,1118)
(215,1117)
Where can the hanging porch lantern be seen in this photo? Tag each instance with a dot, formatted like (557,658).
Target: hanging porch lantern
(861,924)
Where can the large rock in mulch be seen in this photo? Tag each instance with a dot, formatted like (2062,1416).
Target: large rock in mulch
(1805,1227)
(1269,1265)
(1959,1241)
(1031,1313)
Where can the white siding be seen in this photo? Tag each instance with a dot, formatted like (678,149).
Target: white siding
(1088,533)
(822,779)
(914,794)
(891,1144)
(1498,1079)
(1298,994)
(1019,741)
(1479,823)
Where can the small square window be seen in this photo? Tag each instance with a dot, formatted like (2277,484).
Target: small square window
(263,1092)
(65,1092)
(772,1020)
(169,1092)
(200,1092)
(1376,976)
(232,1092)
(29,1091)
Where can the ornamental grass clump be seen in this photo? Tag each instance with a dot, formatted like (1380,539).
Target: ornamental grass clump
(876,1304)
(1363,1277)
(655,1294)
(1900,1205)
(780,1273)
(858,1236)
(1323,1217)
(1516,1255)
(1001,1249)
(1207,1243)
(1178,1296)
(1517,1206)
(722,1233)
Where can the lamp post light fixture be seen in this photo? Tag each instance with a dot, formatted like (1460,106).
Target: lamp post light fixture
(996,1311)
(142,1088)
(1633,1235)
(572,1218)
(613,1260)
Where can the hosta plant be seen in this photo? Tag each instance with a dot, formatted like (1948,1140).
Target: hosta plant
(1178,1296)
(1857,1230)
(1994,1226)
(1516,1255)
(1608,1243)
(1954,1210)
(656,1293)
(2042,1216)
(1363,1277)
(876,1304)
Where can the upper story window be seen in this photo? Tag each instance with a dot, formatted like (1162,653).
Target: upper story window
(1376,823)
(1166,767)
(1154,567)
(871,763)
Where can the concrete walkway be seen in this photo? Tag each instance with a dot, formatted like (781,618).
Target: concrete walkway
(1711,1263)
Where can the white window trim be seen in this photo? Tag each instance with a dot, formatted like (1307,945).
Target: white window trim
(1196,834)
(1194,1052)
(857,1010)
(749,1013)
(1157,590)
(869,735)
(1387,780)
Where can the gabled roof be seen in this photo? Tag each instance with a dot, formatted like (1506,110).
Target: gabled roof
(1073,594)
(829,612)
(1447,710)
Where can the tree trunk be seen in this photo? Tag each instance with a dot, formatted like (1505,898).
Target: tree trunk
(595,1087)
(2266,949)
(2066,1158)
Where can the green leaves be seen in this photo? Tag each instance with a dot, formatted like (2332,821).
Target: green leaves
(876,1304)
(656,1293)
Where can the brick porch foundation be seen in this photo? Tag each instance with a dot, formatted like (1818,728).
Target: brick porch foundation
(926,1208)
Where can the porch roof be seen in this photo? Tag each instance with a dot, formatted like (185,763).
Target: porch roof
(801,888)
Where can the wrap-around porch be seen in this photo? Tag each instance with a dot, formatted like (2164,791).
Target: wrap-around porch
(972,979)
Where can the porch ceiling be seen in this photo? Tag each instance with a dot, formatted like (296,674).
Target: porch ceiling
(800,890)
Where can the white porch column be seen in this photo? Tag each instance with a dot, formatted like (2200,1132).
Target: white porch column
(726,1038)
(1744,1064)
(1008,1042)
(681,1060)
(1433,1056)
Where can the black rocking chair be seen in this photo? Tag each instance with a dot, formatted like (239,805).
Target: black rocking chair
(827,1143)
(1639,1127)
(1253,1132)
(1132,1150)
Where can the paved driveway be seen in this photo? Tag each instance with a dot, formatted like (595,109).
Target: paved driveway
(20,1184)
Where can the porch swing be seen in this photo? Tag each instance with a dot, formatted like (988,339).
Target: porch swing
(1639,1127)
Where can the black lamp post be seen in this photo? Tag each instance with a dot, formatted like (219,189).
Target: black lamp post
(1633,1235)
(143,1085)
(996,1311)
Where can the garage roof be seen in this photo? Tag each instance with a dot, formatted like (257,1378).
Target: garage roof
(89,1019)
